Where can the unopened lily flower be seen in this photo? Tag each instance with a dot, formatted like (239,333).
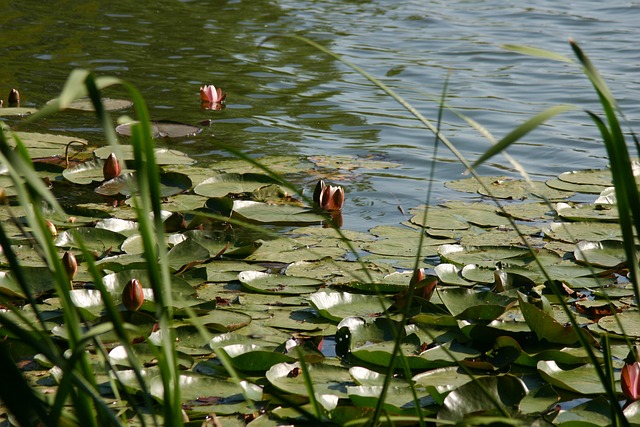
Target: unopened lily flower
(328,197)
(14,98)
(111,167)
(212,97)
(630,381)
(133,295)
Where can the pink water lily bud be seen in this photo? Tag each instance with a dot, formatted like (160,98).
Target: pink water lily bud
(630,381)
(328,197)
(111,167)
(212,94)
(133,295)
(70,264)
(14,98)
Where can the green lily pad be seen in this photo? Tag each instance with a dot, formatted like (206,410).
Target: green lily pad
(265,213)
(607,253)
(475,305)
(600,177)
(289,250)
(587,213)
(482,256)
(443,379)
(627,322)
(451,275)
(109,104)
(575,188)
(163,129)
(338,305)
(546,326)
(221,320)
(575,231)
(581,380)
(329,382)
(438,218)
(232,183)
(351,162)
(39,278)
(93,238)
(45,144)
(163,156)
(282,164)
(171,183)
(16,111)
(471,398)
(278,284)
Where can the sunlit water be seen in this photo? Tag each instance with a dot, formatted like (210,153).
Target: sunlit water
(287,98)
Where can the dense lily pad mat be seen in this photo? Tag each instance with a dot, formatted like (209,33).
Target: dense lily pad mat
(303,325)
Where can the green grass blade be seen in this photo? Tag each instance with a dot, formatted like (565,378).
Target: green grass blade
(537,52)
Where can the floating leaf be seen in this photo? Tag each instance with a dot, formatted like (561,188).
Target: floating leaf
(545,326)
(164,129)
(326,379)
(599,177)
(472,398)
(625,324)
(16,111)
(109,104)
(278,284)
(93,238)
(232,183)
(171,183)
(45,144)
(606,253)
(265,213)
(575,231)
(351,162)
(475,305)
(338,305)
(163,156)
(582,380)
(586,213)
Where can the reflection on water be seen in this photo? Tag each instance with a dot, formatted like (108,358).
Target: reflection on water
(285,97)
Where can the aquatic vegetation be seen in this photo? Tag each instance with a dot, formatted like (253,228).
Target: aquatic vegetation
(212,98)
(240,303)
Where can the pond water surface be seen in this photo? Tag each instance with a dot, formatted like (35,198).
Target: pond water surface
(284,97)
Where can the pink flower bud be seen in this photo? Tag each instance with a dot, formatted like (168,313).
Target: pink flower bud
(133,295)
(14,98)
(70,264)
(111,168)
(630,381)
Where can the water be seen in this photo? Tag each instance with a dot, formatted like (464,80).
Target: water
(287,98)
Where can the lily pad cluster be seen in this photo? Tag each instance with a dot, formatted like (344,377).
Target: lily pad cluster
(260,281)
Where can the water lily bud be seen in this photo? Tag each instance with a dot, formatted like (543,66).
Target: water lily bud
(70,264)
(133,295)
(52,228)
(630,381)
(14,98)
(111,168)
(332,198)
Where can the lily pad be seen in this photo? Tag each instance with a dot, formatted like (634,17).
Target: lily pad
(582,380)
(338,305)
(475,305)
(278,284)
(45,144)
(109,104)
(163,156)
(575,231)
(232,183)
(352,162)
(606,253)
(472,398)
(93,238)
(265,213)
(171,183)
(627,322)
(164,129)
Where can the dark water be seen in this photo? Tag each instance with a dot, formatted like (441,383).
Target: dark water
(287,98)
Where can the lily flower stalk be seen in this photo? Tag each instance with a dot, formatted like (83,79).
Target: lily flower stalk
(212,97)
(630,381)
(328,197)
